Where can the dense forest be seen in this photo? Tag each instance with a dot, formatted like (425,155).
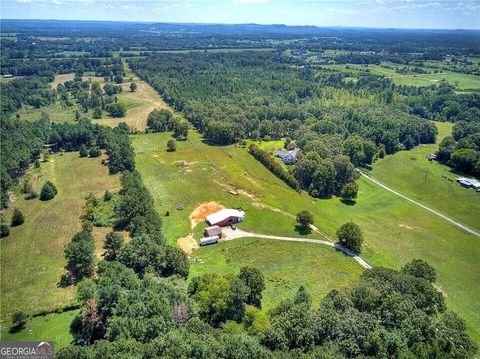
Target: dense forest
(137,302)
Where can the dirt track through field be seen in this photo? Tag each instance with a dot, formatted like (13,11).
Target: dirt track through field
(441,215)
(238,233)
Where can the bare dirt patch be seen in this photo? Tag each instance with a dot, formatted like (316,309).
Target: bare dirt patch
(61,79)
(202,211)
(187,243)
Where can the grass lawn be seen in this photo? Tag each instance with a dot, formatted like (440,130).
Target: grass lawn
(432,183)
(285,265)
(32,257)
(52,327)
(395,230)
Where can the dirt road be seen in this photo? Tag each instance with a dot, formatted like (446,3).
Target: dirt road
(441,215)
(238,233)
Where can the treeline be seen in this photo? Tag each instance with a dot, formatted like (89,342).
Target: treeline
(22,142)
(462,149)
(273,165)
(385,314)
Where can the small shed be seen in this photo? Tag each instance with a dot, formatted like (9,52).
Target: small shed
(212,231)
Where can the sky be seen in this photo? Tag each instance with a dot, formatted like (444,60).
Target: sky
(439,14)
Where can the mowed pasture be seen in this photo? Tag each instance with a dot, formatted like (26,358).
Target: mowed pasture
(285,266)
(51,327)
(430,182)
(462,82)
(32,257)
(396,231)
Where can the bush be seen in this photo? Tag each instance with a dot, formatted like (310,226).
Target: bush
(304,218)
(19,319)
(171,146)
(17,218)
(48,191)
(97,112)
(420,269)
(107,196)
(94,152)
(133,87)
(4,231)
(350,235)
(116,109)
(349,191)
(83,151)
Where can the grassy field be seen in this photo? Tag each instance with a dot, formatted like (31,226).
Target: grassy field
(285,266)
(432,183)
(459,80)
(52,327)
(139,103)
(396,231)
(32,257)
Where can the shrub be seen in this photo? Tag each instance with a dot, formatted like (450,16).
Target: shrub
(94,152)
(17,218)
(48,191)
(19,319)
(420,269)
(350,235)
(133,87)
(4,231)
(171,146)
(304,218)
(107,196)
(349,191)
(97,112)
(83,151)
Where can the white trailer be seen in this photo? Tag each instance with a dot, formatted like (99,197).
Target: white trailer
(209,240)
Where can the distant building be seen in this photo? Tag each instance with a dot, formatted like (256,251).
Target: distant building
(225,217)
(432,156)
(212,231)
(469,183)
(288,157)
(7,76)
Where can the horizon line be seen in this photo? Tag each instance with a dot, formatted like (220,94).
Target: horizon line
(248,23)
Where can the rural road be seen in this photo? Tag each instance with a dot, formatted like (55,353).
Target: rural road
(238,233)
(441,215)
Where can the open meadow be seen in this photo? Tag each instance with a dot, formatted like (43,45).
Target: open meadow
(139,104)
(430,182)
(461,81)
(32,256)
(395,230)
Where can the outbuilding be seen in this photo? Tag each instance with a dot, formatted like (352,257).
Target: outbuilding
(212,231)
(225,217)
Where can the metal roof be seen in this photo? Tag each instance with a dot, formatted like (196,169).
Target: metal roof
(224,214)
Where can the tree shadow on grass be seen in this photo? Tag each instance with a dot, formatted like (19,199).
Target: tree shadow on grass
(348,202)
(302,230)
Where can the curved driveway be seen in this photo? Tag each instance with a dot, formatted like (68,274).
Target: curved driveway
(238,233)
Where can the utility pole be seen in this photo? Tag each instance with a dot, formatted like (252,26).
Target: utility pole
(426,174)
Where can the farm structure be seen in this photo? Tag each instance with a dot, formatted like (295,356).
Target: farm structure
(469,183)
(225,217)
(288,157)
(212,231)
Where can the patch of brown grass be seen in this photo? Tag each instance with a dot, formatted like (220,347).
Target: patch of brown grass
(202,211)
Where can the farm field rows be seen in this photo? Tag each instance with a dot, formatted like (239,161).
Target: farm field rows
(395,230)
(32,256)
